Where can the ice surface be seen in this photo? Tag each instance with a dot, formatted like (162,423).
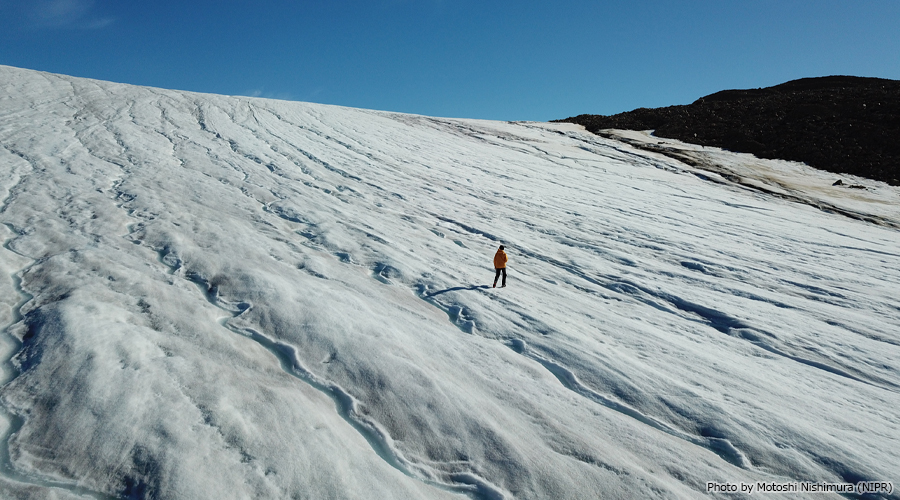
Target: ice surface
(228,297)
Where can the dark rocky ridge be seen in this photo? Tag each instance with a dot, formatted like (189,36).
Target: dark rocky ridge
(842,124)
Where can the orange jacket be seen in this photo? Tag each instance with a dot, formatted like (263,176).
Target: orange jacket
(500,259)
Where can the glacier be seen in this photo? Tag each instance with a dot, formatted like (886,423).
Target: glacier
(228,297)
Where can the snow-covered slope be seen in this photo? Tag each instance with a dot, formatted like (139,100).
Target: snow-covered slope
(223,297)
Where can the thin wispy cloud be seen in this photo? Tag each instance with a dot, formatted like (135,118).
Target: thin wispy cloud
(281,96)
(73,14)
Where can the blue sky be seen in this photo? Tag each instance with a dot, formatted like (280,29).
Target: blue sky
(522,60)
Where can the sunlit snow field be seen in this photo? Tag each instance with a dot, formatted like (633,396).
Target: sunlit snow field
(228,297)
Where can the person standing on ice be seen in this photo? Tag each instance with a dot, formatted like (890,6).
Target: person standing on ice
(500,266)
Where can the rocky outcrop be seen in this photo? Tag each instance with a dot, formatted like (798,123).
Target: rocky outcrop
(841,124)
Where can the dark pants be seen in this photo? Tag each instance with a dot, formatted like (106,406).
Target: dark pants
(499,271)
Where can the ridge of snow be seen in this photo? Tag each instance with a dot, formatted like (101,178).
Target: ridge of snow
(234,297)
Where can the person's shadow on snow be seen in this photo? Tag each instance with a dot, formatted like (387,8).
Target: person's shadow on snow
(457,289)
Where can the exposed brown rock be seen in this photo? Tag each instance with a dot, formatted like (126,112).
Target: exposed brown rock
(842,124)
